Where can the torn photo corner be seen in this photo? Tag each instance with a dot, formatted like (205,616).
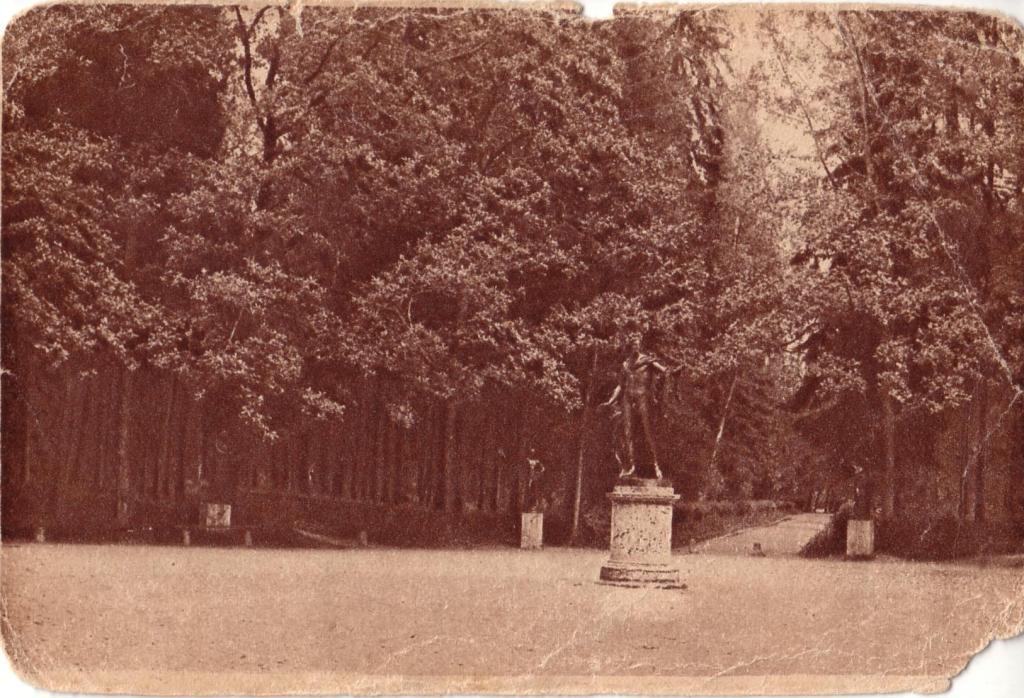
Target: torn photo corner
(423,348)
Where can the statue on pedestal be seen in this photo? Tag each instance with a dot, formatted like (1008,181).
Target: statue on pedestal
(640,544)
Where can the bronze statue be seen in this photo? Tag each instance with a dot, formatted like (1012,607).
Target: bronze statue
(632,398)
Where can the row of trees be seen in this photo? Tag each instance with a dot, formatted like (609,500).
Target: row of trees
(487,212)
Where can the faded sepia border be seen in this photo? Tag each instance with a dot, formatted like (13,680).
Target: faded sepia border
(218,683)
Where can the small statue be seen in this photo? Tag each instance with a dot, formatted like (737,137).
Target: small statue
(535,470)
(632,397)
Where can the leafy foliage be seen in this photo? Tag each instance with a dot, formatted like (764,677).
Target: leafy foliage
(503,205)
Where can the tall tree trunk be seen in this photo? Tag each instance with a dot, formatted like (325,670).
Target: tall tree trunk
(392,435)
(165,441)
(193,468)
(328,463)
(721,422)
(346,457)
(78,408)
(85,434)
(289,456)
(500,457)
(379,456)
(90,469)
(188,449)
(31,425)
(423,452)
(123,446)
(448,464)
(971,456)
(103,433)
(366,437)
(184,434)
(64,430)
(405,464)
(981,459)
(889,468)
(437,477)
(55,466)
(577,499)
(398,471)
(521,467)
(966,447)
(488,467)
(469,462)
(437,445)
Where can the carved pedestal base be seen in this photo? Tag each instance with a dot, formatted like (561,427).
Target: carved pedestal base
(641,535)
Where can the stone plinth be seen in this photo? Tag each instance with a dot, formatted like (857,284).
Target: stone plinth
(641,535)
(216,515)
(531,535)
(860,538)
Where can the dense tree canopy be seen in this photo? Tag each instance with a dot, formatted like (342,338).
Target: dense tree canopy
(291,213)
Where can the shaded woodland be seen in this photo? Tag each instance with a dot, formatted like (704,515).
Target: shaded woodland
(364,256)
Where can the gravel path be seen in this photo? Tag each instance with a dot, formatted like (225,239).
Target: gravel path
(116,617)
(788,537)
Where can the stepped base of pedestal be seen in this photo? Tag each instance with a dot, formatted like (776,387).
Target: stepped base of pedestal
(635,574)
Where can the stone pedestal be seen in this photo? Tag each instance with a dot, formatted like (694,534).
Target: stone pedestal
(215,515)
(641,535)
(860,539)
(531,535)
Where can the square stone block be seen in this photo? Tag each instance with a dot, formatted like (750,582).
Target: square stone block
(216,515)
(532,531)
(860,538)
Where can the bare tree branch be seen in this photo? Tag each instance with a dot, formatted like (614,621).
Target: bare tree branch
(322,63)
(244,34)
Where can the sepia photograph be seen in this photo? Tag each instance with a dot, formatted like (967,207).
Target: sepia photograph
(491,348)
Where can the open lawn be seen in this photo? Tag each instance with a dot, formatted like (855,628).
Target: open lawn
(177,619)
